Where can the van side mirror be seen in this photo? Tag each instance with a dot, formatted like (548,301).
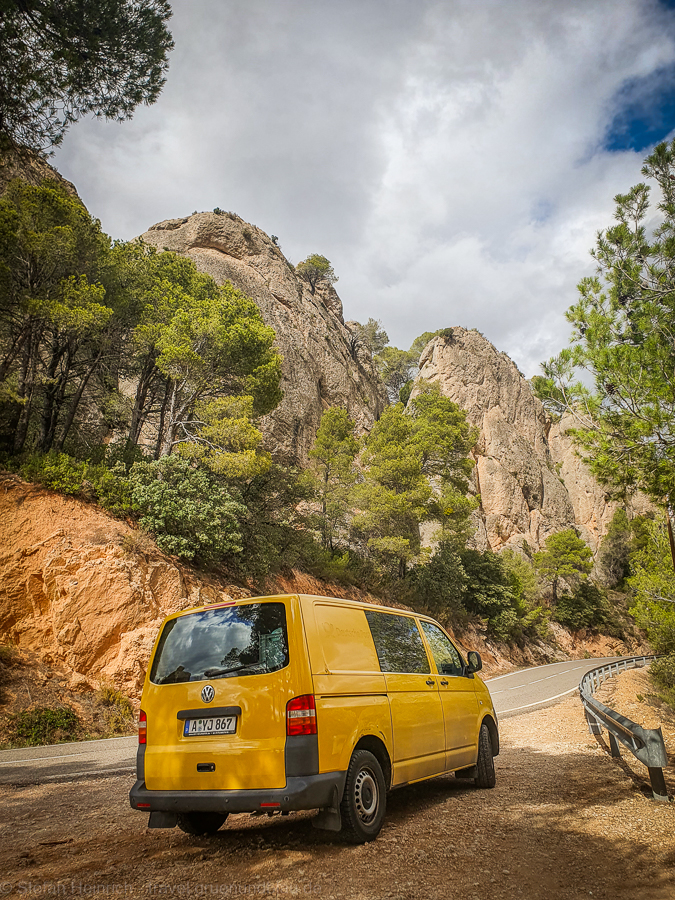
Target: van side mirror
(474,662)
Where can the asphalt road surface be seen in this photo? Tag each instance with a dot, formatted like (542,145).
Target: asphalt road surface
(515,693)
(526,689)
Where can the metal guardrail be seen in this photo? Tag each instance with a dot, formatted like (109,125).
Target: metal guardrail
(646,744)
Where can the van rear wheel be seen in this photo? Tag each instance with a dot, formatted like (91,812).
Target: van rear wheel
(485,765)
(201,822)
(364,801)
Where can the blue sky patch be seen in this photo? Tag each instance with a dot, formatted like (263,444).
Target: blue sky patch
(645,112)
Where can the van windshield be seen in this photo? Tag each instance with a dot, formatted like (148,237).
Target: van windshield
(222,643)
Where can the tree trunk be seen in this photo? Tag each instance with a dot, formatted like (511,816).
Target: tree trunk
(166,440)
(162,416)
(76,402)
(138,412)
(55,389)
(26,384)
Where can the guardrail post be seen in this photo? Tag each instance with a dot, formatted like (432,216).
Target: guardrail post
(594,727)
(659,788)
(614,745)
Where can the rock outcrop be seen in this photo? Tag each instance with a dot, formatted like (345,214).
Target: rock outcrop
(530,480)
(29,166)
(322,364)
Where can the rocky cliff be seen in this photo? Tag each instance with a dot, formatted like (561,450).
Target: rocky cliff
(530,480)
(321,365)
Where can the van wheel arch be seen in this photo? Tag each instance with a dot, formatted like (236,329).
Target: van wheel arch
(494,733)
(376,746)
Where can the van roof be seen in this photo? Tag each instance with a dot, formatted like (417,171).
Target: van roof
(341,601)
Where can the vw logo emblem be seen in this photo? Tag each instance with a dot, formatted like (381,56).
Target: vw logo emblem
(208,693)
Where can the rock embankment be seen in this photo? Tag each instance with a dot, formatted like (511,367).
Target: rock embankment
(322,364)
(530,480)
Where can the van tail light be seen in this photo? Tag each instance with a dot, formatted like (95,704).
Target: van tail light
(301,715)
(142,727)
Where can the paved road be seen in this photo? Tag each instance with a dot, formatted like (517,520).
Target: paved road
(69,762)
(525,690)
(516,693)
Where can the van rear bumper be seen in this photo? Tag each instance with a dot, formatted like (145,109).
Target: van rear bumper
(301,792)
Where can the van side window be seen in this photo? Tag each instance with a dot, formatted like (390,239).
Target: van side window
(447,659)
(398,643)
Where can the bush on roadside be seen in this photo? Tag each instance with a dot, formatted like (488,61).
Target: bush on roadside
(118,712)
(44,725)
(662,672)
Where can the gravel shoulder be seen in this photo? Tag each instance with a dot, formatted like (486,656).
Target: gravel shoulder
(564,822)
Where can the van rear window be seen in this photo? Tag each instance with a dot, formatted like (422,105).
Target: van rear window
(222,643)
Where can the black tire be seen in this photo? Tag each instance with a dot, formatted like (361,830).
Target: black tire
(201,822)
(485,765)
(364,801)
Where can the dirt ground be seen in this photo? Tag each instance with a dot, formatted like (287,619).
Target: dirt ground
(564,822)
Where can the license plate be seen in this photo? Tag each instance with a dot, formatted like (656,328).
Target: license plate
(212,725)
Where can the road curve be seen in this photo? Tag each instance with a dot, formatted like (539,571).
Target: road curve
(513,694)
(527,689)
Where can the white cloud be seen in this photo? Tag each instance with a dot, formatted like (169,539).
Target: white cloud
(447,157)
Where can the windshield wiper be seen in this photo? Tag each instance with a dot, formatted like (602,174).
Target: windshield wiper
(217,672)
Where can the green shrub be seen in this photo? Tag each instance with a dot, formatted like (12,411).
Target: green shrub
(492,594)
(189,513)
(663,671)
(587,607)
(107,485)
(43,725)
(119,713)
(440,585)
(56,471)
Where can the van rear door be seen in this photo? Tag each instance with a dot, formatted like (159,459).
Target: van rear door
(216,696)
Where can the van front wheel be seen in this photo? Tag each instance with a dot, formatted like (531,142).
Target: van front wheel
(485,765)
(201,822)
(364,801)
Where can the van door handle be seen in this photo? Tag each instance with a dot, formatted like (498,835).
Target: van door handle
(430,681)
(444,682)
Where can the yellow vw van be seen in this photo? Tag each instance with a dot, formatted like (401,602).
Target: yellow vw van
(274,704)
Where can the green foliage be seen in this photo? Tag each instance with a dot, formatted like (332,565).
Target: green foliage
(614,554)
(316,269)
(405,392)
(549,393)
(372,335)
(394,366)
(663,673)
(564,556)
(331,474)
(78,478)
(44,725)
(440,586)
(653,587)
(189,514)
(586,607)
(623,340)
(65,60)
(491,594)
(415,469)
(118,710)
(398,367)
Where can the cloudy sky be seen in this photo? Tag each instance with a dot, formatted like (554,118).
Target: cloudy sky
(454,159)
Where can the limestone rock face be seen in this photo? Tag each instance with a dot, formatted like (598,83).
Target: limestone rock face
(77,587)
(321,365)
(530,480)
(28,166)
